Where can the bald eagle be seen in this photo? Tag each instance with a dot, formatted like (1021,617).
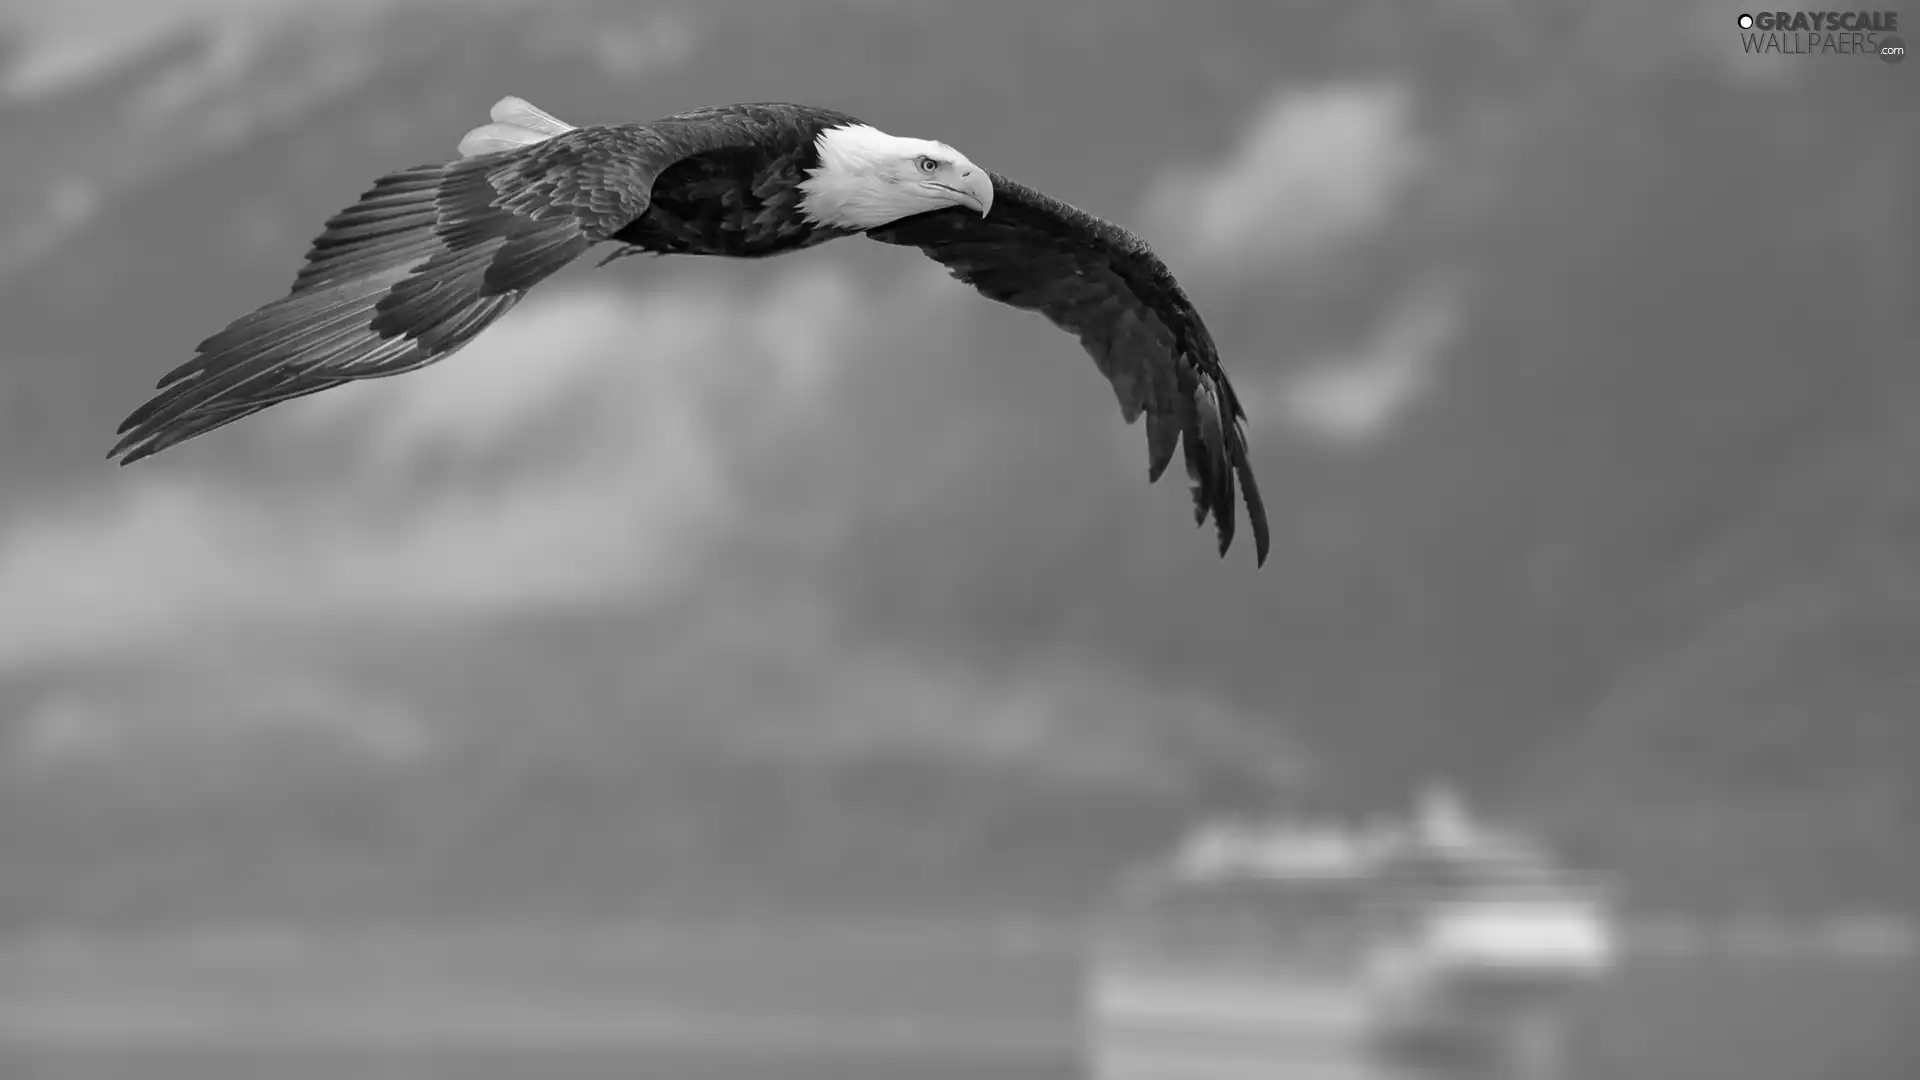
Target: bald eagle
(431,255)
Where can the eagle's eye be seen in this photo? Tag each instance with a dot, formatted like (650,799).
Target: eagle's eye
(927,164)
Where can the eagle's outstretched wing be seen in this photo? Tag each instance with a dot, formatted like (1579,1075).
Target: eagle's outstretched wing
(424,261)
(1106,286)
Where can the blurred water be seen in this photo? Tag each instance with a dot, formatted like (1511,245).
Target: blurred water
(799,1011)
(590,1065)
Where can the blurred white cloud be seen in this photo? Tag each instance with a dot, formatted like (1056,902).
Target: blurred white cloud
(70,44)
(585,351)
(1066,712)
(73,42)
(214,714)
(1355,396)
(615,415)
(1315,168)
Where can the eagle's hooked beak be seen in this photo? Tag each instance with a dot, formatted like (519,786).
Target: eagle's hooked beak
(975,189)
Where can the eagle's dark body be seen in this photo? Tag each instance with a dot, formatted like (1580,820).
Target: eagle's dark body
(432,255)
(741,200)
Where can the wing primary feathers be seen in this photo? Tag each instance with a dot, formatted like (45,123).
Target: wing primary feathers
(1256,508)
(1163,435)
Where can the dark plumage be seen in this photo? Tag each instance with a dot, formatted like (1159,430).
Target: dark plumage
(430,256)
(1109,289)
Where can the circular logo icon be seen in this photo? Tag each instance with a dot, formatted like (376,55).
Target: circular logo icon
(1746,22)
(1892,49)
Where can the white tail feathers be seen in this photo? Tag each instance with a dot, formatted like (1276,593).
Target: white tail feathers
(513,110)
(516,123)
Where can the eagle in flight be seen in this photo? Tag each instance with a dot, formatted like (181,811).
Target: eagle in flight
(430,256)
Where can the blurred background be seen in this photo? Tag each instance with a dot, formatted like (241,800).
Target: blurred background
(794,651)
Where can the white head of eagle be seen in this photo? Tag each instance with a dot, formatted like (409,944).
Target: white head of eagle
(867,178)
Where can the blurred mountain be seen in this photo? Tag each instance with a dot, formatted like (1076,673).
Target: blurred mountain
(1581,375)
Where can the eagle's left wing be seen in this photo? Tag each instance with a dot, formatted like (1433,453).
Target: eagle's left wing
(1108,288)
(425,260)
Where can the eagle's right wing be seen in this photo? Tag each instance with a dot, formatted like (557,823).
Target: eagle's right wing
(424,261)
(1108,288)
